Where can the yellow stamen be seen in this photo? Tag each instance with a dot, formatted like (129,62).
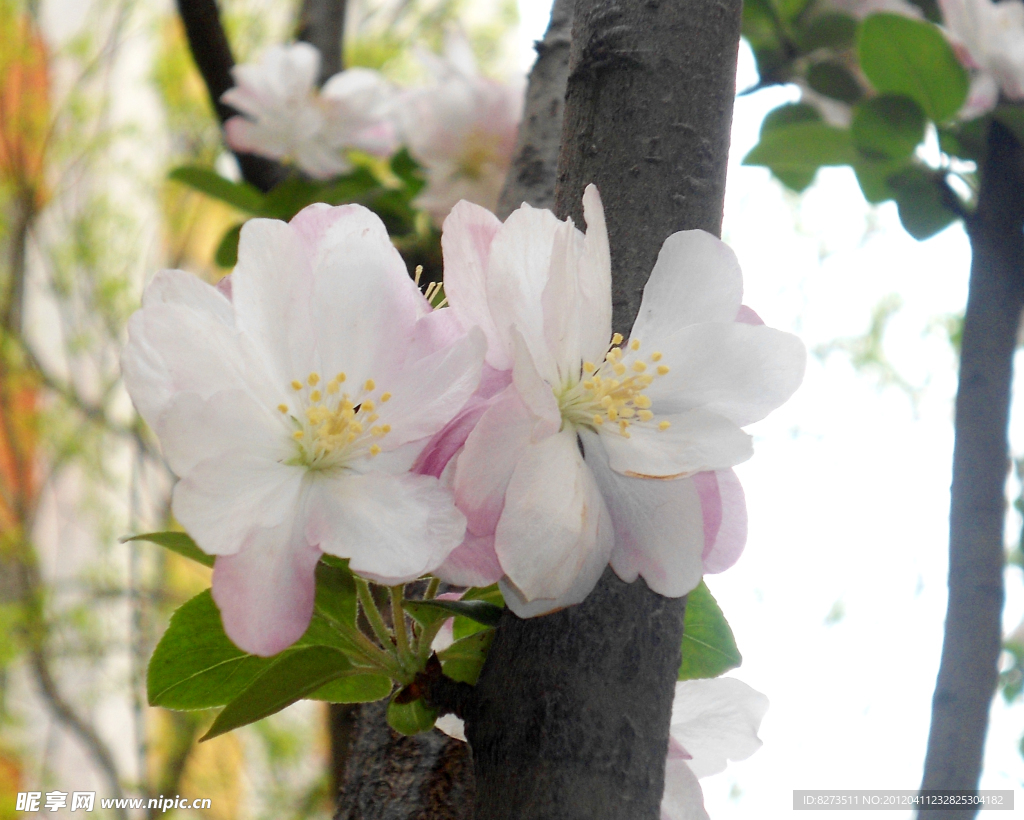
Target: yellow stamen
(612,414)
(645,415)
(588,367)
(386,428)
(419,273)
(385,397)
(368,406)
(655,357)
(662,369)
(642,401)
(634,345)
(298,434)
(315,396)
(374,450)
(370,385)
(340,378)
(283,408)
(616,339)
(664,425)
(332,387)
(598,421)
(313,379)
(296,385)
(619,369)
(640,367)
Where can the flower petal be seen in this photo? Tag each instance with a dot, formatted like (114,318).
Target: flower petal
(466,245)
(222,500)
(716,721)
(393,528)
(725,519)
(659,528)
(473,563)
(550,528)
(265,591)
(535,393)
(683,798)
(561,303)
(697,278)
(695,441)
(739,371)
(490,456)
(595,281)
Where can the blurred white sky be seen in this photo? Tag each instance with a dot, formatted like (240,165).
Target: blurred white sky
(839,601)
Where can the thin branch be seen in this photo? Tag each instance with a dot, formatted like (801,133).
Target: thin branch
(322,24)
(212,53)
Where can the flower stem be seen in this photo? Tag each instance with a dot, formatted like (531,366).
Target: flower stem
(373,614)
(432,588)
(401,635)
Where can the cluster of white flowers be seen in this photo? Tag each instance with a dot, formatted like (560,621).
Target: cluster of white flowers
(460,126)
(319,405)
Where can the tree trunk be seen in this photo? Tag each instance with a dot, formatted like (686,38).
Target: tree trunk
(968,671)
(572,709)
(322,24)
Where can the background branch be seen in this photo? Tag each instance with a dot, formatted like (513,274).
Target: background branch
(322,24)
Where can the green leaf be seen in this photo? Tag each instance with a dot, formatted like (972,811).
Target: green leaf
(919,201)
(428,612)
(829,30)
(463,660)
(411,718)
(178,542)
(335,592)
(794,152)
(789,114)
(873,177)
(834,80)
(195,665)
(355,687)
(464,627)
(709,648)
(240,195)
(290,196)
(888,127)
(913,58)
(226,254)
(291,676)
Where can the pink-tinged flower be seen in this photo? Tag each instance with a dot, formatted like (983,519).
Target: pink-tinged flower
(713,721)
(989,40)
(461,127)
(590,456)
(284,116)
(292,411)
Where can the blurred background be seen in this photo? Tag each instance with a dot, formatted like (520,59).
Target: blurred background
(837,604)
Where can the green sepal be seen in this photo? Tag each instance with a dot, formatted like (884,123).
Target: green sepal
(178,542)
(913,58)
(290,677)
(709,648)
(410,718)
(226,255)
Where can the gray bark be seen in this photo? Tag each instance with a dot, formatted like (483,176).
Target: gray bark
(531,177)
(572,710)
(322,24)
(968,670)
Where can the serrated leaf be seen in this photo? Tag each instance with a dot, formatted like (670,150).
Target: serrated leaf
(178,542)
(290,677)
(709,648)
(911,57)
(411,718)
(463,660)
(355,687)
(794,152)
(428,612)
(464,627)
(835,81)
(888,127)
(240,195)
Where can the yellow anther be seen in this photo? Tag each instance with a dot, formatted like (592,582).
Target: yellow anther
(645,380)
(315,396)
(645,415)
(298,434)
(619,368)
(639,366)
(642,401)
(377,431)
(627,412)
(370,385)
(385,428)
(313,378)
(616,339)
(418,274)
(385,397)
(589,384)
(613,355)
(663,425)
(662,369)
(372,418)
(634,345)
(283,408)
(598,421)
(606,402)
(655,357)
(588,367)
(332,387)
(612,414)
(340,378)
(296,385)
(368,406)
(355,427)
(374,450)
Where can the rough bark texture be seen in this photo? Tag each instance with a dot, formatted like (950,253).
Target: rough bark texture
(572,712)
(393,777)
(970,651)
(535,161)
(212,53)
(322,24)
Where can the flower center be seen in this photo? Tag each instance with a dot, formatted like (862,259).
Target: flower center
(612,393)
(332,426)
